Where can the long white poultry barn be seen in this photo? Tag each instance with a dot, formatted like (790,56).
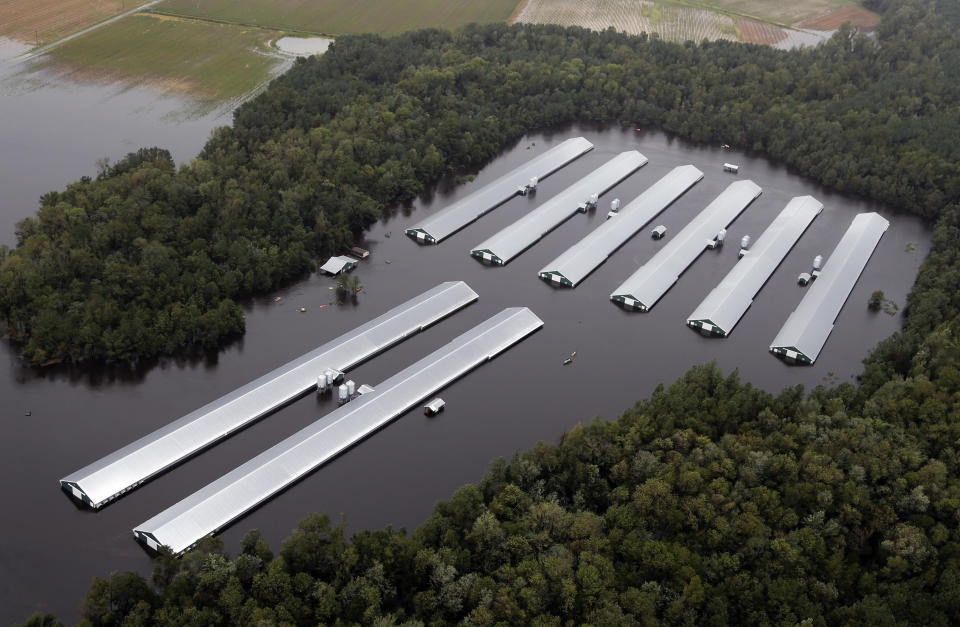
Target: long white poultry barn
(578,261)
(527,231)
(213,507)
(723,307)
(125,469)
(806,330)
(461,213)
(652,280)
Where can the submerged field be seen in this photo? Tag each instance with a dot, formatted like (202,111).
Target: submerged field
(335,17)
(44,21)
(210,61)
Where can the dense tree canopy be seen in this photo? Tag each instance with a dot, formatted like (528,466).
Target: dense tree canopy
(147,258)
(711,502)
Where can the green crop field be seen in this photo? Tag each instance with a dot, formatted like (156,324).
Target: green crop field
(210,61)
(336,17)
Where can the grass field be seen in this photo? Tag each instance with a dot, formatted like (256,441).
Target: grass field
(49,20)
(336,17)
(211,62)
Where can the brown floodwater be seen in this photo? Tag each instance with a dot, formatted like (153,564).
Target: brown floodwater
(50,550)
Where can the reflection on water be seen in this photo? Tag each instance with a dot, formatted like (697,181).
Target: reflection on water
(304,46)
(50,550)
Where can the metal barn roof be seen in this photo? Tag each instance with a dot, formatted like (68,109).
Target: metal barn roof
(725,305)
(336,265)
(124,469)
(583,257)
(652,280)
(213,507)
(461,213)
(526,231)
(806,330)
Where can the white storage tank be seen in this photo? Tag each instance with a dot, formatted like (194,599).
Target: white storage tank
(342,396)
(434,407)
(615,205)
(818,262)
(351,388)
(745,242)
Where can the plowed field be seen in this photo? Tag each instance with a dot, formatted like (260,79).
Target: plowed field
(49,20)
(857,16)
(754,32)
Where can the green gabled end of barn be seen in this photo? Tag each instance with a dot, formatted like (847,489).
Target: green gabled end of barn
(707,327)
(628,301)
(485,254)
(421,236)
(556,278)
(147,539)
(74,490)
(791,353)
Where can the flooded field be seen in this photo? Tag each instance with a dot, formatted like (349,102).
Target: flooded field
(55,131)
(50,550)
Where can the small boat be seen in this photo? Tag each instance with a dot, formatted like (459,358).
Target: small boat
(278,299)
(567,360)
(303,310)
(573,354)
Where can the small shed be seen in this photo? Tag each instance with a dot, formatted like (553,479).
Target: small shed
(729,167)
(359,253)
(336,265)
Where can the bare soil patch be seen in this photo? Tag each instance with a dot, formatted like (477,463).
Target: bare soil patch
(857,16)
(754,32)
(50,20)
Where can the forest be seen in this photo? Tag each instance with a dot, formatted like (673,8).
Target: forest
(711,502)
(148,259)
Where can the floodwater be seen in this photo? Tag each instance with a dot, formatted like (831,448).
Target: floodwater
(304,46)
(53,131)
(50,550)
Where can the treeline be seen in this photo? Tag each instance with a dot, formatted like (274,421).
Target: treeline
(147,258)
(710,503)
